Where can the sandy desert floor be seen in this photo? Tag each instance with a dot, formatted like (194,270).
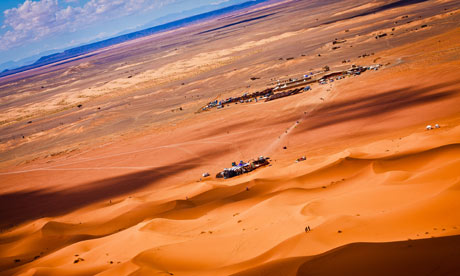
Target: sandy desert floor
(101,157)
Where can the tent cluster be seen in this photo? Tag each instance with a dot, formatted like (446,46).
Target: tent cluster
(246,97)
(353,71)
(243,167)
(294,84)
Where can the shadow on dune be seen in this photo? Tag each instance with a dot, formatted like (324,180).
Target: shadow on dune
(389,6)
(237,23)
(19,207)
(373,105)
(435,256)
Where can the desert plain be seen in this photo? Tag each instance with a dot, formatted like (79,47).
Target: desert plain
(102,156)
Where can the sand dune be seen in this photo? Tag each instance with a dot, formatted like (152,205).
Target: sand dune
(415,257)
(237,219)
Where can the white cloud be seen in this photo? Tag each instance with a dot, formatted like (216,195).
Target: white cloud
(219,2)
(35,20)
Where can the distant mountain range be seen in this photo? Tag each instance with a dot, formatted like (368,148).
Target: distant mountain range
(28,60)
(173,21)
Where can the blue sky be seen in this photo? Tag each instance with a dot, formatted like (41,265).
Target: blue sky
(30,27)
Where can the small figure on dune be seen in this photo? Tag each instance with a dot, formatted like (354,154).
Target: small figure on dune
(303,158)
(307,229)
(430,127)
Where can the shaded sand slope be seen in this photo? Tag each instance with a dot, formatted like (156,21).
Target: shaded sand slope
(436,256)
